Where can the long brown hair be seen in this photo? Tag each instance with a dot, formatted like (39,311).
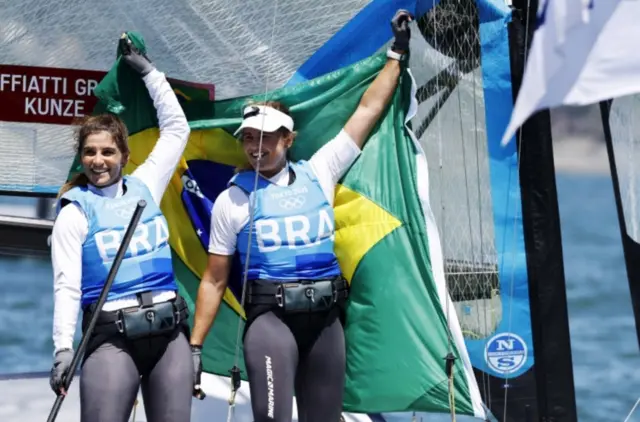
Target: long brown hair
(283,131)
(89,125)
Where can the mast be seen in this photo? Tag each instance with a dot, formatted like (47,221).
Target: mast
(553,368)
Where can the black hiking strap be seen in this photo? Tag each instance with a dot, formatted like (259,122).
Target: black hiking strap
(261,292)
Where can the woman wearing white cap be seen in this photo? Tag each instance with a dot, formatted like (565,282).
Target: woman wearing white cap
(294,339)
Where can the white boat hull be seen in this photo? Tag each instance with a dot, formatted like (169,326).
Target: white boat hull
(27,397)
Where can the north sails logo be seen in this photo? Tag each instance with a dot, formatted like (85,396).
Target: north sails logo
(270,394)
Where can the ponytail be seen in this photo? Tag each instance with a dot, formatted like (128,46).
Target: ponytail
(79,179)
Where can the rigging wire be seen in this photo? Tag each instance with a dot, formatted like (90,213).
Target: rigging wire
(483,277)
(450,358)
(482,319)
(133,412)
(632,410)
(235,371)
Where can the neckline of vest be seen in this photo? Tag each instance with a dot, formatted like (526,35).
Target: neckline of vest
(121,189)
(291,180)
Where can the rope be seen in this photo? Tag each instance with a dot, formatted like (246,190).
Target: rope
(632,410)
(449,359)
(452,398)
(483,319)
(235,370)
(133,412)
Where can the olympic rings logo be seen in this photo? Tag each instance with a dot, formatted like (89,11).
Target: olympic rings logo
(124,213)
(123,209)
(292,202)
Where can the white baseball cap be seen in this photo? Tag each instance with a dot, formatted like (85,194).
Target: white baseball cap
(264,118)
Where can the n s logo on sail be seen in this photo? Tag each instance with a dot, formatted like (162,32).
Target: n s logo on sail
(505,353)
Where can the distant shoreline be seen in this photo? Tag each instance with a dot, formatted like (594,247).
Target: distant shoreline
(578,141)
(581,156)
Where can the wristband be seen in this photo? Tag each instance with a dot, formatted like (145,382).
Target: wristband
(396,56)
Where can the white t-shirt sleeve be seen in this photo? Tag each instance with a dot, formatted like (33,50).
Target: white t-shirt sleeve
(157,169)
(333,160)
(229,214)
(69,233)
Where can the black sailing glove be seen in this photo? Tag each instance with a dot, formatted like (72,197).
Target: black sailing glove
(401,31)
(61,365)
(196,355)
(134,58)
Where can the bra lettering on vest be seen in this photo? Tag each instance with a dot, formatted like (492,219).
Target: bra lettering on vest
(146,238)
(295,227)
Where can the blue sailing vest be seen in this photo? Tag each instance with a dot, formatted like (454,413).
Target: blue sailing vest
(293,229)
(146,265)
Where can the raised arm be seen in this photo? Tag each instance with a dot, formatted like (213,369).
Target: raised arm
(377,96)
(157,169)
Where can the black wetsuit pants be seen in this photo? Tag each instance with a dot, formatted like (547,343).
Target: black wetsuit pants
(304,353)
(116,367)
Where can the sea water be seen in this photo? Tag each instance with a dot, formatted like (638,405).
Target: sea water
(605,351)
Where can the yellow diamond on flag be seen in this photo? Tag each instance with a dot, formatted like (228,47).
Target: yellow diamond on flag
(360,224)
